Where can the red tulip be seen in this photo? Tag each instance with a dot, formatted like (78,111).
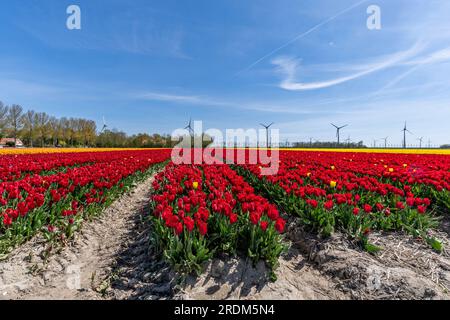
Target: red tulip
(279,225)
(264,225)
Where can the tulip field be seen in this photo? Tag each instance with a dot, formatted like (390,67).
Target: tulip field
(359,192)
(198,212)
(53,193)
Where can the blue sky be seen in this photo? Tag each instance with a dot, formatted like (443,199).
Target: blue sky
(150,65)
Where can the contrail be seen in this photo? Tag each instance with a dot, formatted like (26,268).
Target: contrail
(398,79)
(301,36)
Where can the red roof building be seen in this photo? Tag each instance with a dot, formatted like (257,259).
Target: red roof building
(4,142)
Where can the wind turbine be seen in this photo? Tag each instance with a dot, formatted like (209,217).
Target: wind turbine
(104,125)
(267,132)
(310,142)
(420,142)
(375,143)
(338,129)
(385,141)
(189,127)
(348,140)
(404,135)
(429,143)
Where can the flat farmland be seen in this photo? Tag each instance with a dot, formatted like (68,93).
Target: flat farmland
(329,224)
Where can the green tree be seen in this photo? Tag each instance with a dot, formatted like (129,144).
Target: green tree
(14,116)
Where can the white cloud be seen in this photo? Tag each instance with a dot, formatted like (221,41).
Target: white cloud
(439,56)
(288,67)
(435,57)
(288,107)
(170,97)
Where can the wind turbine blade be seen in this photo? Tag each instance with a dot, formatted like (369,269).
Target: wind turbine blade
(344,126)
(271,124)
(334,125)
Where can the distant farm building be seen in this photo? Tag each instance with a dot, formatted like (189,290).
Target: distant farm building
(9,142)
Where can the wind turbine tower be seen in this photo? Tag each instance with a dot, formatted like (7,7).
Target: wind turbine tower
(267,132)
(385,141)
(104,125)
(338,130)
(348,140)
(420,142)
(189,127)
(404,135)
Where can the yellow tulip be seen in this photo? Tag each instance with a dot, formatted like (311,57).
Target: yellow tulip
(391,169)
(65,150)
(195,185)
(333,184)
(332,167)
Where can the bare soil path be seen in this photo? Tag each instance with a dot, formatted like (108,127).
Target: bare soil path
(80,269)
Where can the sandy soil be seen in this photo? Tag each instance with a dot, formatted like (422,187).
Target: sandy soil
(111,259)
(232,278)
(333,268)
(406,268)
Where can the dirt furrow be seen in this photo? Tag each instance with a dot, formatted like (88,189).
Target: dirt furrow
(79,270)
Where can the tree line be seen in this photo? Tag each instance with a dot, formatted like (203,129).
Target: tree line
(329,144)
(39,129)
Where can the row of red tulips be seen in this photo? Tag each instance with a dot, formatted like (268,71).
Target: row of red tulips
(205,210)
(201,211)
(359,192)
(58,203)
(19,166)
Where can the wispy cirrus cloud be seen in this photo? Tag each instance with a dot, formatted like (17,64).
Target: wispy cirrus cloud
(288,107)
(158,96)
(439,56)
(288,66)
(434,57)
